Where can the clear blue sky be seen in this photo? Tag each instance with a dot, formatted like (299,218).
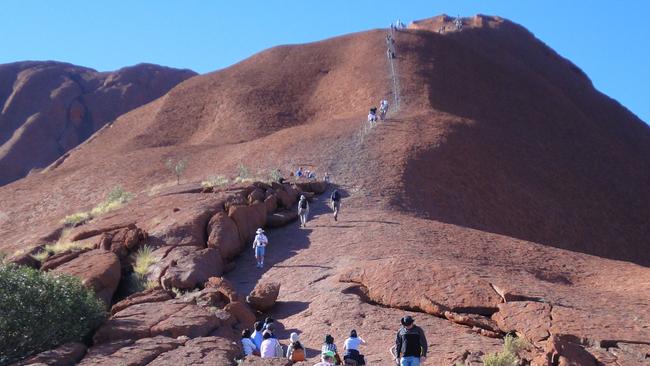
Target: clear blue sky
(608,39)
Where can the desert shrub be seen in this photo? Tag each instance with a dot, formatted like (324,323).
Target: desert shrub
(275,175)
(115,198)
(177,168)
(509,356)
(243,172)
(137,281)
(77,218)
(215,181)
(62,245)
(3,256)
(39,311)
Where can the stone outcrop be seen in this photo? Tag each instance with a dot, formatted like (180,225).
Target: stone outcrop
(264,295)
(188,267)
(98,269)
(530,319)
(68,354)
(224,236)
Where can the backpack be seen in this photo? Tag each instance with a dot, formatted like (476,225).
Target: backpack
(298,354)
(303,204)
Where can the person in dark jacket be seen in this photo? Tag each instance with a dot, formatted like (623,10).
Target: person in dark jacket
(336,203)
(410,343)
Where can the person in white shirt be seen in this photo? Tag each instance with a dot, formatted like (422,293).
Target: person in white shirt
(247,343)
(353,342)
(259,245)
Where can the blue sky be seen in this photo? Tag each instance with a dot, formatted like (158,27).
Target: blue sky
(609,40)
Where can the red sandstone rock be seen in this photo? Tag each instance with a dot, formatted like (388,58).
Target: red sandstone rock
(98,270)
(530,319)
(65,355)
(207,351)
(242,313)
(225,287)
(193,321)
(564,353)
(264,295)
(282,218)
(248,219)
(474,320)
(122,241)
(271,203)
(224,236)
(61,258)
(152,295)
(140,352)
(188,267)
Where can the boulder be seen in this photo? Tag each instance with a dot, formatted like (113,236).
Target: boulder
(152,295)
(65,355)
(316,187)
(271,203)
(530,319)
(225,287)
(248,219)
(561,352)
(264,295)
(98,269)
(282,218)
(60,258)
(256,195)
(284,199)
(473,320)
(224,236)
(140,352)
(242,313)
(169,318)
(122,241)
(188,268)
(201,351)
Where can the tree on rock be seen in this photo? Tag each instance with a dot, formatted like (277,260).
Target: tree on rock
(177,168)
(39,311)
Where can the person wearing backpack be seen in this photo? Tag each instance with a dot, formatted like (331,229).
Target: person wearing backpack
(303,210)
(336,203)
(410,344)
(295,350)
(259,245)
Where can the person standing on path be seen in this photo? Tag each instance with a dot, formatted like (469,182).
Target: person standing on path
(336,203)
(303,210)
(410,343)
(259,245)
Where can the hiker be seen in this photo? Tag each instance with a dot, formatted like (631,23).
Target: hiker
(372,117)
(257,334)
(326,178)
(247,343)
(311,175)
(269,326)
(271,347)
(299,172)
(383,109)
(295,350)
(354,341)
(336,203)
(327,359)
(410,343)
(329,346)
(303,210)
(259,245)
(353,357)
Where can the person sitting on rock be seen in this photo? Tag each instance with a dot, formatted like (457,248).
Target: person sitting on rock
(311,175)
(295,350)
(299,172)
(326,178)
(303,210)
(353,357)
(259,245)
(329,346)
(327,359)
(257,334)
(247,343)
(271,347)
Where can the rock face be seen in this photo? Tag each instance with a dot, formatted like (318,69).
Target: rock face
(98,270)
(188,267)
(51,107)
(223,235)
(68,354)
(264,295)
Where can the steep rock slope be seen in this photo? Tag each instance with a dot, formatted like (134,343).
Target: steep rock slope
(50,107)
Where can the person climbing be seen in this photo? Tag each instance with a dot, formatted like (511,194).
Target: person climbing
(269,326)
(336,203)
(351,347)
(329,346)
(326,178)
(327,359)
(271,347)
(257,334)
(372,117)
(259,245)
(299,172)
(410,343)
(311,175)
(383,109)
(247,343)
(303,210)
(295,350)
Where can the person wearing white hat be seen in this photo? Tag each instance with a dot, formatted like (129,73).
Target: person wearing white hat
(295,351)
(259,245)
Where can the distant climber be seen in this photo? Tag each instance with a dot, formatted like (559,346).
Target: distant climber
(271,347)
(351,347)
(295,350)
(259,245)
(247,343)
(336,203)
(383,109)
(299,172)
(372,115)
(303,210)
(329,346)
(327,178)
(458,22)
(311,175)
(410,343)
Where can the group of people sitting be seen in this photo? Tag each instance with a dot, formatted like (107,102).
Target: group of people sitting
(263,342)
(383,109)
(309,174)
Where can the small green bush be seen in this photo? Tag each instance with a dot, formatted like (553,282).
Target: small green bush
(77,218)
(509,356)
(515,345)
(275,175)
(143,259)
(39,311)
(115,198)
(242,172)
(177,168)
